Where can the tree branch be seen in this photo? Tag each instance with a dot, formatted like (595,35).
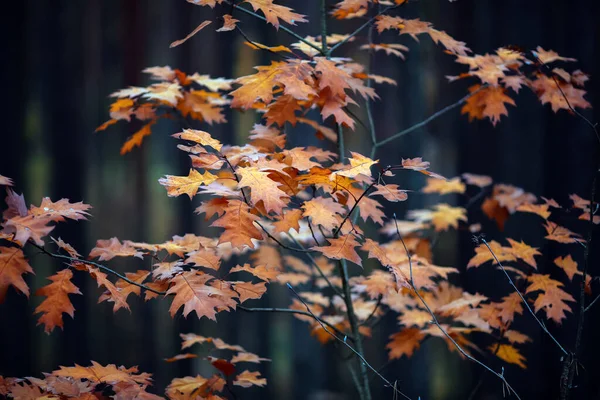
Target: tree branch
(300,312)
(283,28)
(94,264)
(429,119)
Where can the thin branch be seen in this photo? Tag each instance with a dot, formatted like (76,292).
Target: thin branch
(512,283)
(591,304)
(437,323)
(94,264)
(283,28)
(429,119)
(374,311)
(358,353)
(279,242)
(324,28)
(299,312)
(314,264)
(363,26)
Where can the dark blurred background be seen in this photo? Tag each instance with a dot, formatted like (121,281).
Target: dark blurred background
(61,60)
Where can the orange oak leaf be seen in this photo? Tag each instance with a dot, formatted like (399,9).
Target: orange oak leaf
(24,228)
(201,137)
(508,353)
(552,298)
(57,300)
(341,249)
(487,102)
(179,357)
(524,252)
(509,306)
(568,265)
(262,188)
(239,226)
(442,217)
(404,343)
(249,290)
(137,138)
(483,254)
(115,293)
(194,292)
(61,209)
(477,180)
(359,164)
(288,220)
(390,192)
(247,379)
(178,185)
(13,265)
(323,211)
(110,374)
(560,234)
(198,29)
(275,12)
(125,288)
(207,258)
(247,357)
(229,23)
(190,387)
(264,272)
(441,186)
(108,249)
(539,209)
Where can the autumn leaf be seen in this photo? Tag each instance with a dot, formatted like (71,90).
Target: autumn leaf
(107,249)
(552,298)
(390,192)
(239,226)
(201,137)
(274,12)
(116,295)
(12,266)
(57,300)
(487,102)
(137,138)
(247,379)
(178,185)
(190,387)
(249,290)
(404,343)
(193,291)
(179,357)
(262,188)
(509,354)
(359,164)
(441,186)
(568,265)
(483,254)
(98,373)
(341,249)
(524,252)
(229,23)
(61,209)
(198,29)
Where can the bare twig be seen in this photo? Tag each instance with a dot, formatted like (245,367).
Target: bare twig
(363,26)
(299,312)
(429,119)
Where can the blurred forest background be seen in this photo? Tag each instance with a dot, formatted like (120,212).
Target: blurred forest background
(61,60)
